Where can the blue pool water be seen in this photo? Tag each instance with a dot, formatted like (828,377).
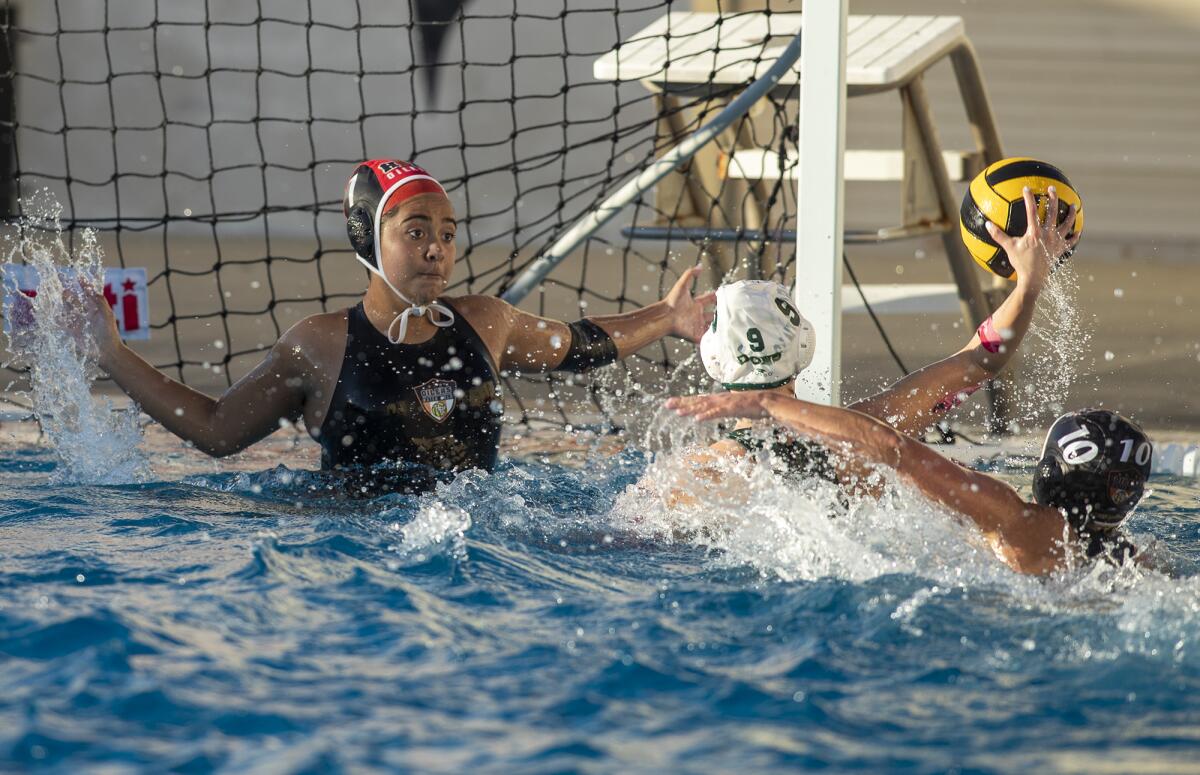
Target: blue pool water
(543,619)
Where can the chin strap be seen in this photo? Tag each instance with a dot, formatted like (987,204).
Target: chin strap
(419,310)
(414,310)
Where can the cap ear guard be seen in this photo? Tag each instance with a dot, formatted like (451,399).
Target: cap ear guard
(361,231)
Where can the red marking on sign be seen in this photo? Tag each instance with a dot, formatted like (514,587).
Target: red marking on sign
(129,308)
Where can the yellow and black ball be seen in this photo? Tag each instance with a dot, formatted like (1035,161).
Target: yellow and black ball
(995,195)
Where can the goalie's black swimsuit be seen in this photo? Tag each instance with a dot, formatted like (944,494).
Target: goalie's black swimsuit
(435,406)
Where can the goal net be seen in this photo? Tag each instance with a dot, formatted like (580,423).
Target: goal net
(209,143)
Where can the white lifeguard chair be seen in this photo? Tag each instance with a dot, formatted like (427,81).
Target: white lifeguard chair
(690,53)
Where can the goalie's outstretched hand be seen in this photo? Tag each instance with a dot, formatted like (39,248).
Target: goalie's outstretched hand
(690,315)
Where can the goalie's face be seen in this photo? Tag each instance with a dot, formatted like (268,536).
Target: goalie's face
(418,246)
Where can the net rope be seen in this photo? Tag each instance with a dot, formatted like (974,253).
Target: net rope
(209,142)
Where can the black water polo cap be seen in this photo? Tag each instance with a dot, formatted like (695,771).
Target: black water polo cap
(1093,468)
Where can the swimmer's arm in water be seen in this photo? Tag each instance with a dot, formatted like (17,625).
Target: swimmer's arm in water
(529,342)
(248,411)
(1026,536)
(917,401)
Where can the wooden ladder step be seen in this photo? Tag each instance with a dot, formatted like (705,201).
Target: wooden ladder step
(859,165)
(903,299)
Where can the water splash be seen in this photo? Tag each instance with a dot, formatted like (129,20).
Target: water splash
(800,530)
(787,530)
(436,525)
(1052,353)
(635,394)
(94,442)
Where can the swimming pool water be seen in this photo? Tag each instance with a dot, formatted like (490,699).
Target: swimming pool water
(541,620)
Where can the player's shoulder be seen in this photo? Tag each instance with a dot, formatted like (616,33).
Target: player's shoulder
(484,312)
(317,339)
(314,328)
(480,303)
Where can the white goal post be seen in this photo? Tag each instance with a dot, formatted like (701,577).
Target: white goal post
(820,193)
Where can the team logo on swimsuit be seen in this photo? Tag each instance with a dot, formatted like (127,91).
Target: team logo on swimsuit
(437,398)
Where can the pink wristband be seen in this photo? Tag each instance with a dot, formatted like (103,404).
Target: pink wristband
(988,337)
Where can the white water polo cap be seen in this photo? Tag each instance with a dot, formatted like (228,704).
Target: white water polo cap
(757,339)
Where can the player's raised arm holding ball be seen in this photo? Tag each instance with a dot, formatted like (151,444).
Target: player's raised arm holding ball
(756,320)
(921,398)
(407,374)
(750,313)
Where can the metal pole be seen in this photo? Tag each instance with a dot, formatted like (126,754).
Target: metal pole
(820,194)
(658,169)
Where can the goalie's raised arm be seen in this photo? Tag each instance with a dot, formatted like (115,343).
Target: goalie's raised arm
(525,341)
